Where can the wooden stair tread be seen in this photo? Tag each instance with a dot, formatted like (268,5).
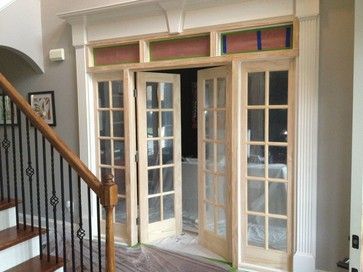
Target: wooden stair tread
(37,264)
(5,204)
(13,236)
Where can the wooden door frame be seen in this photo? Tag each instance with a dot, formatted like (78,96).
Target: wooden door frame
(235,172)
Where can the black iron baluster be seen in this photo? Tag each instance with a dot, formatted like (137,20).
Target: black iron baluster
(99,235)
(90,228)
(63,214)
(20,139)
(14,163)
(71,211)
(80,232)
(36,150)
(46,196)
(6,144)
(54,202)
(29,172)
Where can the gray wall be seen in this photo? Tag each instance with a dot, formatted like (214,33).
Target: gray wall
(335,130)
(60,77)
(335,101)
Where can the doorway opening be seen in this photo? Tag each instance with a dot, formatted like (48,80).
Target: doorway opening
(189,238)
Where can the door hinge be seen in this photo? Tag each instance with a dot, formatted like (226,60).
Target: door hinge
(137,156)
(135,93)
(355,241)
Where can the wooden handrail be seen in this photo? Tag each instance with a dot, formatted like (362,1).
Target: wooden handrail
(53,138)
(106,191)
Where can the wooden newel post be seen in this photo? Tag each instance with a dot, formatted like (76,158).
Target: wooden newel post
(109,201)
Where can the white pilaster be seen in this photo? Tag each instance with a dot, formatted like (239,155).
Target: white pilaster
(306,149)
(85,99)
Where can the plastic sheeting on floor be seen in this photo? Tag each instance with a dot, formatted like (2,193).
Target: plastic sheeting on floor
(141,258)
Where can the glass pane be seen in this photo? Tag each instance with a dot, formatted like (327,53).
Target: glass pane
(120,211)
(117,94)
(153,153)
(277,167)
(168,207)
(154,209)
(221,222)
(256,160)
(256,125)
(118,124)
(277,198)
(209,156)
(152,95)
(278,126)
(209,94)
(209,188)
(154,181)
(167,149)
(209,124)
(152,120)
(120,180)
(105,150)
(168,179)
(105,171)
(221,125)
(221,190)
(221,157)
(256,196)
(209,214)
(103,95)
(166,124)
(166,95)
(221,92)
(104,123)
(119,153)
(279,82)
(277,236)
(256,88)
(256,230)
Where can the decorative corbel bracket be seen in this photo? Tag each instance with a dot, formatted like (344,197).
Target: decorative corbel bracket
(174,13)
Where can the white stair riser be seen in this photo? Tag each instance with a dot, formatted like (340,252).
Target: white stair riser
(19,253)
(7,218)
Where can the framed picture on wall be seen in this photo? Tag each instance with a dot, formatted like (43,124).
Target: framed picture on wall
(5,111)
(43,104)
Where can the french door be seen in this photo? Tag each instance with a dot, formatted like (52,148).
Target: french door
(213,157)
(159,145)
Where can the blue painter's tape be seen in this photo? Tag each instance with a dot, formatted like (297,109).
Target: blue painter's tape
(288,37)
(259,43)
(224,44)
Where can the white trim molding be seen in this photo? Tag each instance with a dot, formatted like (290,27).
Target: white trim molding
(306,155)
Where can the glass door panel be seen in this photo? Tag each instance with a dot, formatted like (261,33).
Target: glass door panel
(111,144)
(158,106)
(267,220)
(213,169)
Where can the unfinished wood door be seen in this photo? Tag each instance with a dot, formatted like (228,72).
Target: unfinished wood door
(213,154)
(159,145)
(114,132)
(267,157)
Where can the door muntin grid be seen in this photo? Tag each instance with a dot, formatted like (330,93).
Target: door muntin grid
(267,147)
(111,139)
(214,146)
(160,150)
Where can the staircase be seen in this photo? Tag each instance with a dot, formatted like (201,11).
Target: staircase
(55,214)
(19,246)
